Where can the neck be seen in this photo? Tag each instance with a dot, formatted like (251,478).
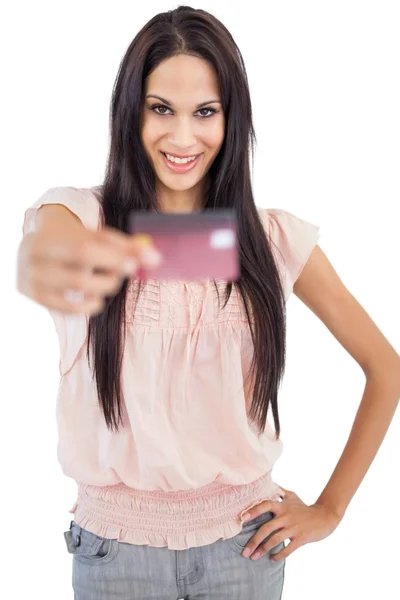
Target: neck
(185,201)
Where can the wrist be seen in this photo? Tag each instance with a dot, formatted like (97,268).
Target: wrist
(336,509)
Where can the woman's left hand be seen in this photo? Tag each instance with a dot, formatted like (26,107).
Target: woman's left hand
(293,519)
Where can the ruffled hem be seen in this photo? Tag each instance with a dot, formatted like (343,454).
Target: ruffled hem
(177,520)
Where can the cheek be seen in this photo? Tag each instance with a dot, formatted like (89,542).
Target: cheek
(215,137)
(150,135)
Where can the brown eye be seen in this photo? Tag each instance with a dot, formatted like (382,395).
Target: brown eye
(159,107)
(209,110)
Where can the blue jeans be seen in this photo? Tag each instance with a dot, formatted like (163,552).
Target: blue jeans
(106,569)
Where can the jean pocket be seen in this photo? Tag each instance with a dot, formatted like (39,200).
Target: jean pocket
(88,547)
(238,543)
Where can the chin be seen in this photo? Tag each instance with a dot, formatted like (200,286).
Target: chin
(177,186)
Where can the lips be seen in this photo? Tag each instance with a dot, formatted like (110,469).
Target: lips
(181,168)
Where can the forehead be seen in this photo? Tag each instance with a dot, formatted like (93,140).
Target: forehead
(187,79)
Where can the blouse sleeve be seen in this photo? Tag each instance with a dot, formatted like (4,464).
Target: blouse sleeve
(292,241)
(71,328)
(82,202)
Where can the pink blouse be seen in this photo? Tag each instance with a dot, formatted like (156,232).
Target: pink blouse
(188,463)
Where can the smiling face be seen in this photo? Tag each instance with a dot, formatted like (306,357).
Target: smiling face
(182,117)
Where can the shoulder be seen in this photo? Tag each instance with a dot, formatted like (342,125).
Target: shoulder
(85,203)
(87,195)
(279,219)
(287,229)
(291,239)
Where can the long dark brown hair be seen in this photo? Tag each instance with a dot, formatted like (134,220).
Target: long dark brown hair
(129,184)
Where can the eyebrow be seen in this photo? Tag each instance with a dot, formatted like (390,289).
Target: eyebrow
(169,103)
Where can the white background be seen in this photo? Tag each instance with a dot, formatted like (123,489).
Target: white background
(324,80)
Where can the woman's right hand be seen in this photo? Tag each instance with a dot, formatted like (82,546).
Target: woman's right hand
(63,257)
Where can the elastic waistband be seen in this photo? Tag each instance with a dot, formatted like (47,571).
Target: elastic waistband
(178,520)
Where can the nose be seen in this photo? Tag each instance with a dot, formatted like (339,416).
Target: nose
(182,134)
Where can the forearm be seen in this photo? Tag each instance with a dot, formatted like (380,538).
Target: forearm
(377,407)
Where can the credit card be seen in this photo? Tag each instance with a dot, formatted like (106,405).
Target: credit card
(194,246)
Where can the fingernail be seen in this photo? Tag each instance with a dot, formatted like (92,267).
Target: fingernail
(130,266)
(143,239)
(246,552)
(247,517)
(256,555)
(151,256)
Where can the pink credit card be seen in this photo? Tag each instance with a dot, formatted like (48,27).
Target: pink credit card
(194,246)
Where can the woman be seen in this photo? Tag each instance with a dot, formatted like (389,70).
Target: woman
(165,387)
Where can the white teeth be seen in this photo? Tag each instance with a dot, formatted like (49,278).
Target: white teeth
(180,161)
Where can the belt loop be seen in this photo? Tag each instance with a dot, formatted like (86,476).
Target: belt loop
(78,537)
